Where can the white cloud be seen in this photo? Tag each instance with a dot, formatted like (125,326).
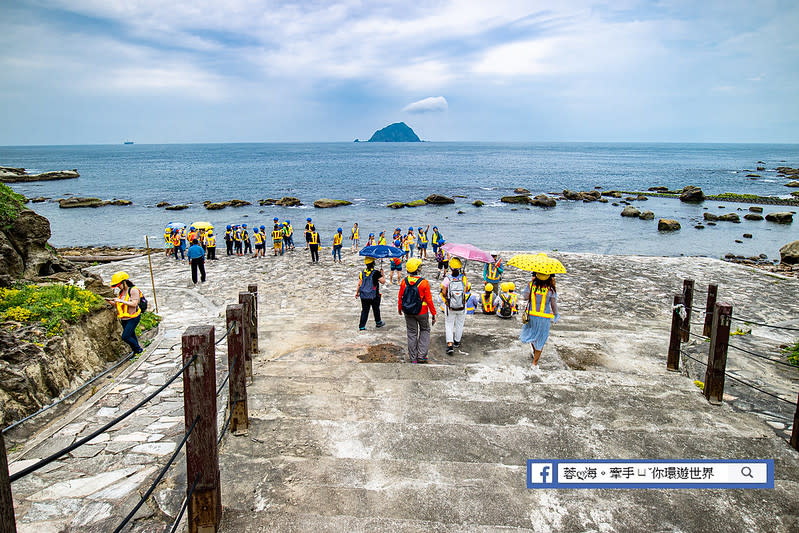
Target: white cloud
(432,104)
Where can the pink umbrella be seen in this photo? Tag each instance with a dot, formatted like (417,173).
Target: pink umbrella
(468,252)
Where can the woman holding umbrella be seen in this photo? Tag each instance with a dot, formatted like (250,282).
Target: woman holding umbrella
(369,281)
(542,300)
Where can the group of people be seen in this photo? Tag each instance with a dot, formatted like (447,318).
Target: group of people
(415,303)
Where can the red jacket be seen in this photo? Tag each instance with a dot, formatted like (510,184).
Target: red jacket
(424,294)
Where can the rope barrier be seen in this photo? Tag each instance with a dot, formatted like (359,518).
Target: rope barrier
(227,377)
(68,396)
(158,478)
(748,321)
(761,356)
(185,504)
(739,380)
(692,334)
(233,325)
(694,358)
(224,427)
(106,427)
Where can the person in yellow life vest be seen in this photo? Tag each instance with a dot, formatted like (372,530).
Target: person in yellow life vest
(127,304)
(288,236)
(210,245)
(229,240)
(492,272)
(337,244)
(410,238)
(507,305)
(472,301)
(245,237)
(237,242)
(168,241)
(258,239)
(277,239)
(370,241)
(192,234)
(406,247)
(201,237)
(514,297)
(355,237)
(175,243)
(381,239)
(313,245)
(309,228)
(542,310)
(489,300)
(423,241)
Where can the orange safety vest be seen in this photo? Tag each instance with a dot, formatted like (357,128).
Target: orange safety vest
(176,240)
(537,309)
(192,235)
(488,306)
(123,311)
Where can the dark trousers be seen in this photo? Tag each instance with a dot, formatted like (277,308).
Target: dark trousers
(374,305)
(247,246)
(129,333)
(229,247)
(211,252)
(198,263)
(314,252)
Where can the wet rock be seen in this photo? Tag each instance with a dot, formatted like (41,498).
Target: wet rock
(117,201)
(162,204)
(396,205)
(753,216)
(739,241)
(792,184)
(615,204)
(755,209)
(590,196)
(612,194)
(78,201)
(692,194)
(416,203)
(18,175)
(668,224)
(699,226)
(542,200)
(730,217)
(324,203)
(179,207)
(789,254)
(39,199)
(630,212)
(238,203)
(603,200)
(478,203)
(642,198)
(267,201)
(747,235)
(630,198)
(760,169)
(288,201)
(521,190)
(658,189)
(571,195)
(461,212)
(520,199)
(711,223)
(752,176)
(722,207)
(215,206)
(439,199)
(647,215)
(780,218)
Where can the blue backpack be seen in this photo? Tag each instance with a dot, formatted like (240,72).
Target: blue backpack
(367,290)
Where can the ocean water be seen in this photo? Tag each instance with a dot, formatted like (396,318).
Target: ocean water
(372,175)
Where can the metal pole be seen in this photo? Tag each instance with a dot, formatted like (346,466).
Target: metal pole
(152,278)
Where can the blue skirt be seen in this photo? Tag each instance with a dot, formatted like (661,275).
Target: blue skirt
(536,332)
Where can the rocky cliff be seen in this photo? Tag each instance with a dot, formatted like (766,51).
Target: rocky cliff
(397,132)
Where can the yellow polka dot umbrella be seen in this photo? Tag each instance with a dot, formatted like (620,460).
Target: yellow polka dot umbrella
(537,263)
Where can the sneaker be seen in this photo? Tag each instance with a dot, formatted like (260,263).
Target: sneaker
(380,324)
(456,344)
(362,329)
(450,350)
(421,359)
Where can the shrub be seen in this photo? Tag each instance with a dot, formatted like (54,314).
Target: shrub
(11,204)
(792,353)
(148,321)
(49,305)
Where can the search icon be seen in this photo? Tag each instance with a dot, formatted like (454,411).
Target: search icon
(747,472)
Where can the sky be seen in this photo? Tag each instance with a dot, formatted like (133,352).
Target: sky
(105,71)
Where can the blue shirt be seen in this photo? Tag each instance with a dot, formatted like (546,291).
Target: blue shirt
(195,252)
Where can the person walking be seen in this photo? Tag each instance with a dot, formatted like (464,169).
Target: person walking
(368,291)
(542,311)
(127,304)
(313,245)
(176,243)
(453,294)
(338,237)
(423,241)
(210,245)
(309,228)
(416,302)
(196,257)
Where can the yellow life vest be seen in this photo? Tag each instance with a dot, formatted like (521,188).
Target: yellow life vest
(277,235)
(245,236)
(539,309)
(411,239)
(288,230)
(493,273)
(488,306)
(168,237)
(423,238)
(257,237)
(210,241)
(337,239)
(309,227)
(237,235)
(228,235)
(382,240)
(314,238)
(356,233)
(123,311)
(469,307)
(435,238)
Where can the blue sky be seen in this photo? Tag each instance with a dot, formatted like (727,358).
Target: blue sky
(102,71)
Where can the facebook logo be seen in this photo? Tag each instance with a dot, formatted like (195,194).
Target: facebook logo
(540,474)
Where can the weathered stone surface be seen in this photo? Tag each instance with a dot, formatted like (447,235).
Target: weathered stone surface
(630,211)
(521,190)
(324,203)
(647,215)
(747,235)
(542,200)
(288,201)
(571,195)
(710,216)
(792,184)
(692,194)
(520,199)
(667,224)
(753,216)
(77,201)
(439,199)
(396,205)
(780,218)
(478,203)
(416,203)
(612,194)
(755,209)
(590,196)
(176,207)
(16,175)
(789,254)
(215,206)
(730,217)
(117,201)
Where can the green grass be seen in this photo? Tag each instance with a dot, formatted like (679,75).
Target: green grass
(735,196)
(48,305)
(148,321)
(11,204)
(792,353)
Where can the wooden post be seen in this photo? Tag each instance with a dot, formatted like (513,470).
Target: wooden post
(246,300)
(237,399)
(7,521)
(717,358)
(199,399)
(254,333)
(673,361)
(712,292)
(688,301)
(795,433)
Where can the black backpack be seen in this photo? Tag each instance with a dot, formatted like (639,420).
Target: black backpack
(505,309)
(411,300)
(143,303)
(367,289)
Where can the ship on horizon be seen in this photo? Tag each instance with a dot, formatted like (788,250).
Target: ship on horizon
(128,142)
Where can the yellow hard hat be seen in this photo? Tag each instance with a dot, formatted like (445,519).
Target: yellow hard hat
(368,260)
(413,264)
(503,286)
(542,277)
(210,232)
(455,263)
(511,286)
(119,277)
(489,287)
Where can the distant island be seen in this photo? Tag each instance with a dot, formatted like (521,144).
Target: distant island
(399,132)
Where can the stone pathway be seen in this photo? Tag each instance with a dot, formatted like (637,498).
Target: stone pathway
(337,444)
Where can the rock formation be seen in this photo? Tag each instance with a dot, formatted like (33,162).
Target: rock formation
(397,132)
(630,211)
(17,175)
(327,202)
(780,218)
(789,254)
(439,199)
(667,224)
(692,194)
